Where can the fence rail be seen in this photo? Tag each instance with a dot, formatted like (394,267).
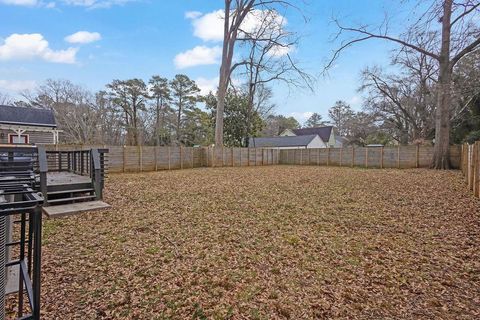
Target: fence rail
(401,157)
(149,158)
(470,166)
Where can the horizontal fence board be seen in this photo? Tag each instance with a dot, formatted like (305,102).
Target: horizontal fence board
(150,158)
(402,157)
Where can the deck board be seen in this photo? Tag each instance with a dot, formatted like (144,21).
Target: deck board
(62,178)
(74,208)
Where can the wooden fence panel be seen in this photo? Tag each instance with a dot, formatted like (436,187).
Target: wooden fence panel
(131,159)
(115,159)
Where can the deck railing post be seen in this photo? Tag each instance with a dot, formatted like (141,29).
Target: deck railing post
(43,168)
(37,254)
(60,161)
(81,163)
(97,179)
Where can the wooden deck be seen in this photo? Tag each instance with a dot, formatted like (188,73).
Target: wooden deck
(63,178)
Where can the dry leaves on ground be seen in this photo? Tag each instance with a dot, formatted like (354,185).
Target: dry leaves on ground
(277,242)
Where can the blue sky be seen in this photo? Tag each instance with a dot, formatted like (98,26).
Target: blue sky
(121,39)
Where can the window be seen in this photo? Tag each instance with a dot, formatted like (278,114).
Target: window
(15,139)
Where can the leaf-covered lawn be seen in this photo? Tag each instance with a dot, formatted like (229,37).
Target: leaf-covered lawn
(269,243)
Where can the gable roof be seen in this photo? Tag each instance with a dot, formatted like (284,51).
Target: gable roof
(322,132)
(283,141)
(27,116)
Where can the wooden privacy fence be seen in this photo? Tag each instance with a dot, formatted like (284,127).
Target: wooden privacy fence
(368,157)
(470,166)
(149,158)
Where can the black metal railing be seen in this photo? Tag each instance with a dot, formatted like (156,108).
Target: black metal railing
(23,192)
(91,163)
(20,200)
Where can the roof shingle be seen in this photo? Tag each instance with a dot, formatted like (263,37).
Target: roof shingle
(27,116)
(292,141)
(323,132)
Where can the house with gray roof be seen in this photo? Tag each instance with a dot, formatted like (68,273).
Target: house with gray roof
(25,125)
(326,133)
(288,142)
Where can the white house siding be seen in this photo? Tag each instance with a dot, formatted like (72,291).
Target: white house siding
(332,141)
(34,137)
(316,142)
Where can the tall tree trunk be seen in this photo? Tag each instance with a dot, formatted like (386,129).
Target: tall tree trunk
(222,92)
(441,153)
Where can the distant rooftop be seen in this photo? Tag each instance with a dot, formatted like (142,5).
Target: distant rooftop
(322,132)
(27,116)
(286,141)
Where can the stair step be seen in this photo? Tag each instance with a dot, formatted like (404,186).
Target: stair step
(67,187)
(71,199)
(70,191)
(74,208)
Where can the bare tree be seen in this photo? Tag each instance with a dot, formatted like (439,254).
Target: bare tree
(268,59)
(235,12)
(73,107)
(459,35)
(5,99)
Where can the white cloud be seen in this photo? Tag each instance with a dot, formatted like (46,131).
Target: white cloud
(94,4)
(301,116)
(17,85)
(83,37)
(280,51)
(209,26)
(31,46)
(27,3)
(354,101)
(200,55)
(192,14)
(207,85)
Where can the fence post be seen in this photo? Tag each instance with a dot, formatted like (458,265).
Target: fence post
(328,156)
(341,156)
(181,158)
(366,157)
(381,157)
(140,156)
(169,159)
(155,150)
(417,156)
(248,156)
(193,162)
(477,169)
(472,167)
(353,156)
(124,157)
(241,151)
(398,157)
